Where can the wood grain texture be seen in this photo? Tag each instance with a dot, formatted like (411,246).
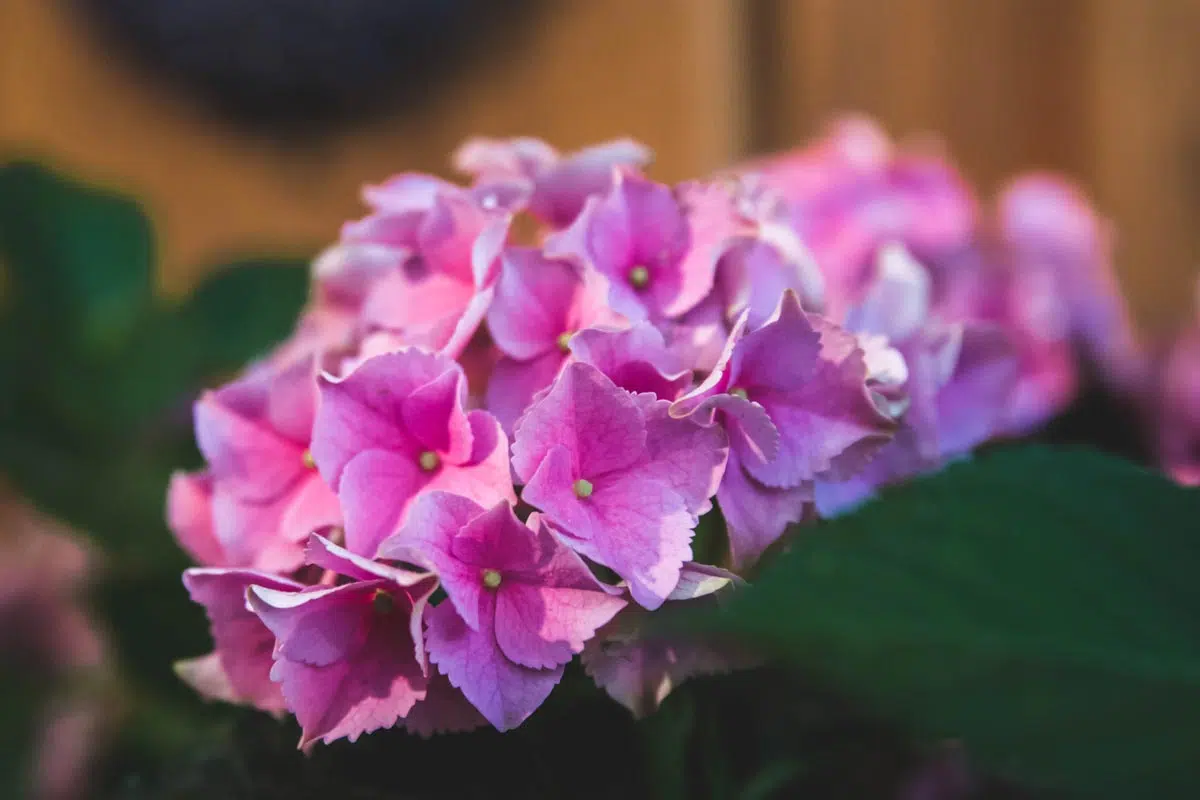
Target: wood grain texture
(1104,90)
(663,72)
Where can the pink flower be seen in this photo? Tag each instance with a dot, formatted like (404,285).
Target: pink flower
(261,496)
(1049,225)
(437,249)
(396,427)
(657,247)
(348,658)
(636,359)
(524,172)
(621,479)
(540,303)
(520,604)
(793,396)
(639,671)
(852,191)
(953,381)
(238,671)
(1173,400)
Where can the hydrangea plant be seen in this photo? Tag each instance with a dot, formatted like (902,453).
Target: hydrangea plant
(481,454)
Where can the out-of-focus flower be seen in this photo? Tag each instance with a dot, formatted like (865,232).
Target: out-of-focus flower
(47,639)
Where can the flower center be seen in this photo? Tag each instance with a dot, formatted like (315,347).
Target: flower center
(639,277)
(564,341)
(738,391)
(383,602)
(429,461)
(307,460)
(491,578)
(583,488)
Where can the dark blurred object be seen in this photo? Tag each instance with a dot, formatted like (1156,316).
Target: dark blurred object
(294,68)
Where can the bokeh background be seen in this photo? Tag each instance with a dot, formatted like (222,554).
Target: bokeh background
(1101,89)
(245,130)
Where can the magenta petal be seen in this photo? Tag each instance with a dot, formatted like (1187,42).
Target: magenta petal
(757,515)
(250,459)
(513,385)
(596,421)
(189,515)
(432,523)
(971,406)
(633,523)
(315,626)
(449,231)
(434,415)
(377,488)
(348,698)
(485,477)
(688,457)
(544,626)
(563,188)
(533,303)
(326,554)
(782,354)
(364,411)
(243,643)
(504,692)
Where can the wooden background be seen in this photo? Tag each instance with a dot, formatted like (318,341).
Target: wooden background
(1104,89)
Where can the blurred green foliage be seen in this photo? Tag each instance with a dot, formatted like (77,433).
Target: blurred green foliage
(1040,605)
(1037,605)
(98,375)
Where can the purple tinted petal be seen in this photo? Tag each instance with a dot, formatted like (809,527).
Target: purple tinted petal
(544,626)
(504,692)
(597,422)
(243,643)
(757,515)
(533,304)
(636,359)
(513,385)
(316,626)
(251,460)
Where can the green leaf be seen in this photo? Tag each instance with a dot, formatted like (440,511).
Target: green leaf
(80,260)
(244,309)
(1041,606)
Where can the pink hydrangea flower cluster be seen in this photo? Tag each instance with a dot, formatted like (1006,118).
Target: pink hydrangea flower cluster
(478,457)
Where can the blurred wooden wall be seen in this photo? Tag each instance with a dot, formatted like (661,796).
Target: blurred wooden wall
(1103,89)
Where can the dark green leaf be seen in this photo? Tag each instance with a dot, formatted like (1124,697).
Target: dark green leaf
(243,310)
(80,260)
(1042,606)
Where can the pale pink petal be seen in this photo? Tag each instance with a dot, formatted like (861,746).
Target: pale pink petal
(249,458)
(377,488)
(190,517)
(243,643)
(207,676)
(313,506)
